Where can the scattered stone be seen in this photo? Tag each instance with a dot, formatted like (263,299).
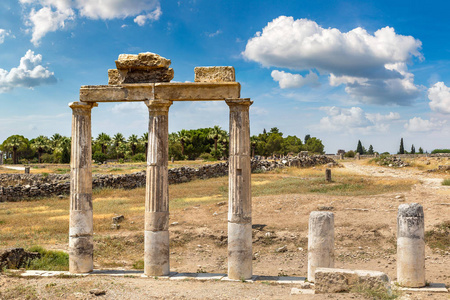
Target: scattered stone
(297,291)
(115,226)
(322,208)
(97,292)
(214,74)
(15,258)
(259,227)
(282,249)
(118,219)
(221,203)
(174,223)
(215,213)
(329,280)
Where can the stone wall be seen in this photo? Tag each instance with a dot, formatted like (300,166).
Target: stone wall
(15,187)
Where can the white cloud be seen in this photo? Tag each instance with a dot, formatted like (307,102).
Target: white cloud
(354,119)
(45,16)
(3,35)
(218,31)
(28,74)
(130,108)
(418,124)
(439,95)
(288,80)
(366,63)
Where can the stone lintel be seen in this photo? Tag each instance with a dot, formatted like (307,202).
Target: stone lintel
(177,91)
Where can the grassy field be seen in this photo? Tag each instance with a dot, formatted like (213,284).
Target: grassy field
(46,221)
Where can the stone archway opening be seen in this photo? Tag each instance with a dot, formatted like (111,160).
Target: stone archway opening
(146,78)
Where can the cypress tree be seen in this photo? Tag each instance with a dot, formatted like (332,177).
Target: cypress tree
(402,149)
(360,148)
(413,149)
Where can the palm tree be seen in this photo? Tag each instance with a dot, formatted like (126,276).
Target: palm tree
(14,143)
(103,139)
(118,140)
(253,143)
(224,141)
(215,133)
(40,144)
(183,136)
(144,141)
(133,142)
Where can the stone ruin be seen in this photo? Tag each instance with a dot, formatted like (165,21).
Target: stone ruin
(146,77)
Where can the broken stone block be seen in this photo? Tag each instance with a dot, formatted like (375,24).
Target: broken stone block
(144,61)
(330,280)
(15,258)
(214,74)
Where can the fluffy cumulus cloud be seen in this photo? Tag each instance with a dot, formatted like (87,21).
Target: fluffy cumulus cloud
(439,95)
(418,124)
(28,74)
(354,119)
(288,80)
(373,65)
(45,16)
(3,34)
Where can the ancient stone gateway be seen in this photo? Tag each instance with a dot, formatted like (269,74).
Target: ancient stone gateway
(146,77)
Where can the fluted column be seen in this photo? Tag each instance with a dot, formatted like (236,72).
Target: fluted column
(81,219)
(239,198)
(156,253)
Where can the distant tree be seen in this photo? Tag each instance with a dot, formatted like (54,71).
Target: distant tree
(359,148)
(291,144)
(420,150)
(133,142)
(215,133)
(183,136)
(370,151)
(307,137)
(103,140)
(253,144)
(144,141)
(413,149)
(402,149)
(118,140)
(40,145)
(315,145)
(15,144)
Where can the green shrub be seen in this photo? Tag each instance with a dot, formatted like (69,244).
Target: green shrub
(138,157)
(50,260)
(446,181)
(439,236)
(206,157)
(99,157)
(440,151)
(350,153)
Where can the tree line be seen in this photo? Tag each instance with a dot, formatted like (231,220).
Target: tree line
(206,143)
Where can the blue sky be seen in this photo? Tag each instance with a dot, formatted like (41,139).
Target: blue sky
(342,71)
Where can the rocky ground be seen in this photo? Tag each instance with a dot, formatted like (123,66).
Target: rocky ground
(365,230)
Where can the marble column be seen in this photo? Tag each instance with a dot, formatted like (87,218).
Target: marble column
(320,242)
(239,198)
(410,246)
(81,219)
(156,253)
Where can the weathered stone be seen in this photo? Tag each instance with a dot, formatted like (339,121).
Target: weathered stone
(81,259)
(214,74)
(239,196)
(145,61)
(328,175)
(410,245)
(118,77)
(320,242)
(15,258)
(329,280)
(177,91)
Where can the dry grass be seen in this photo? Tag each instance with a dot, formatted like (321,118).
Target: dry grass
(46,221)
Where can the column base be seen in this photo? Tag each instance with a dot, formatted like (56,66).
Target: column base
(81,254)
(239,251)
(156,253)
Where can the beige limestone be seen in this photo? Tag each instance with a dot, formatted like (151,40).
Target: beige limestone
(200,91)
(144,61)
(214,74)
(320,242)
(156,254)
(329,280)
(81,215)
(410,245)
(240,202)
